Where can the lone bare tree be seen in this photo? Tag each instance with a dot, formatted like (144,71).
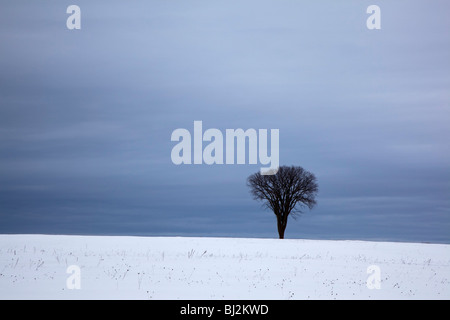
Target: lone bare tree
(288,191)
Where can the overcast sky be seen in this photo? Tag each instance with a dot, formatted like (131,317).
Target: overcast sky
(86,115)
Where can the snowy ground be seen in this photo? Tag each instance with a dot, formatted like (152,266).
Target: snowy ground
(35,267)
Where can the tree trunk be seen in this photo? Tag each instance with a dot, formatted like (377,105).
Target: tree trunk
(281,228)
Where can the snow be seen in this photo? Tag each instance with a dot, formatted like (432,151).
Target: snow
(122,267)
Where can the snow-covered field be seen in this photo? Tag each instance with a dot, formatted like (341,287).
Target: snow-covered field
(106,267)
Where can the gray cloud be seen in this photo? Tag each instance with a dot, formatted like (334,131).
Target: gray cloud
(86,116)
